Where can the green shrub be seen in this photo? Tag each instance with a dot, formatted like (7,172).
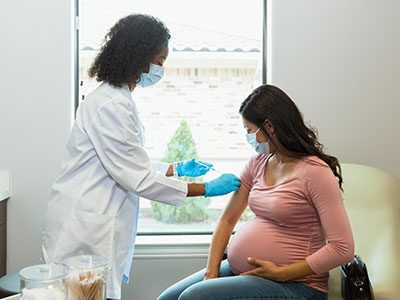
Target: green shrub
(195,209)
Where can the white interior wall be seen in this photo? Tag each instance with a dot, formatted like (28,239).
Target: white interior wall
(35,113)
(337,59)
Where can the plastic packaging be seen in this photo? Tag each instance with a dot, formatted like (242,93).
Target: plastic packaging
(87,277)
(44,282)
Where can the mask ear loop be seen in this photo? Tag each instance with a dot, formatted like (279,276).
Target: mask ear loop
(265,130)
(269,135)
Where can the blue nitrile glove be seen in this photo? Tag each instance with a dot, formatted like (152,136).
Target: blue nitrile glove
(222,185)
(193,168)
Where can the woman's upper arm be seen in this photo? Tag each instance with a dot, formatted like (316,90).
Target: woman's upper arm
(239,200)
(236,205)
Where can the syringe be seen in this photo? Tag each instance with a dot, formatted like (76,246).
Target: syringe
(212,168)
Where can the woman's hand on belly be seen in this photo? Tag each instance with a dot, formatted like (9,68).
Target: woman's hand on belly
(269,270)
(265,269)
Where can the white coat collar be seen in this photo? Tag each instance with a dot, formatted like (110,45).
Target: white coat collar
(126,91)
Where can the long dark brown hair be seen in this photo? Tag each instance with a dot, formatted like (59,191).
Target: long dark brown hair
(268,102)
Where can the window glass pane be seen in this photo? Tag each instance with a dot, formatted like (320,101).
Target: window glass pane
(215,61)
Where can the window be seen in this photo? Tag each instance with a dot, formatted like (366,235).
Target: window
(215,61)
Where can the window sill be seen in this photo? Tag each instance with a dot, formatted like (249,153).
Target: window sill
(172,246)
(5,190)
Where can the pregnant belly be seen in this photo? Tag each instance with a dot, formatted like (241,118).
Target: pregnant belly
(264,240)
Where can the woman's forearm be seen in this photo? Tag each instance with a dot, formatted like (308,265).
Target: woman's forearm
(218,244)
(293,271)
(230,216)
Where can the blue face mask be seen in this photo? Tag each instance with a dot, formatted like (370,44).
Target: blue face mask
(252,140)
(154,75)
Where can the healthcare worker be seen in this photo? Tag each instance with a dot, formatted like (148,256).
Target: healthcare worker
(94,204)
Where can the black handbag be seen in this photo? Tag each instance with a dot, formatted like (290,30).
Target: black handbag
(355,281)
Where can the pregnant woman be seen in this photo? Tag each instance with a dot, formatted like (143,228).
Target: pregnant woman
(300,230)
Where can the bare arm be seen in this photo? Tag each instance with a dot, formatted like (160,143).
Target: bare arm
(196,189)
(170,171)
(230,216)
(296,270)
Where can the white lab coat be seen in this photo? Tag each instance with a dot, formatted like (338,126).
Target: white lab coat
(94,203)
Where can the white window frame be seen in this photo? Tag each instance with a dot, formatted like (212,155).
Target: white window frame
(172,244)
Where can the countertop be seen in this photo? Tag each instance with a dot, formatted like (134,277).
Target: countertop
(16,297)
(5,186)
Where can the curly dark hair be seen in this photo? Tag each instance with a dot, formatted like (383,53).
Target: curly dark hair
(270,102)
(128,48)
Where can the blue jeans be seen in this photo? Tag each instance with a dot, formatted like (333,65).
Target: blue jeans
(244,287)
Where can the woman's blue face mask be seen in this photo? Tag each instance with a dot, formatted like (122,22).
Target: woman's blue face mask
(154,75)
(262,148)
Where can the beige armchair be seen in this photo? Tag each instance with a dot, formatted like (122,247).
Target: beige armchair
(372,200)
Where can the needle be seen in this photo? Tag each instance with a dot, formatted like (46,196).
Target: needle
(200,163)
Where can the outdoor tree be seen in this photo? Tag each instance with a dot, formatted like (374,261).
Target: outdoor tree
(182,147)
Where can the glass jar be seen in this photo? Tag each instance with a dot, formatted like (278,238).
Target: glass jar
(87,277)
(44,282)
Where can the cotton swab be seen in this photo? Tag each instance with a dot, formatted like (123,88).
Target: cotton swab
(87,285)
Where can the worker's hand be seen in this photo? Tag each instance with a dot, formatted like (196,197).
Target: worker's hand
(265,269)
(193,168)
(222,185)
